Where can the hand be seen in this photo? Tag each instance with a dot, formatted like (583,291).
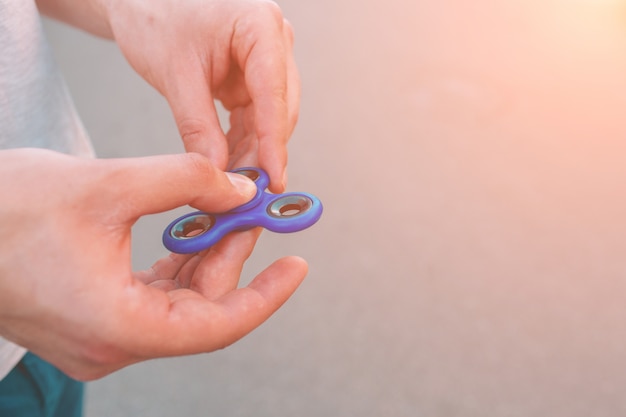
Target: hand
(67,291)
(235,51)
(198,51)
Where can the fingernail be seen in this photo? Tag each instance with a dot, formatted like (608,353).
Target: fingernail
(243,184)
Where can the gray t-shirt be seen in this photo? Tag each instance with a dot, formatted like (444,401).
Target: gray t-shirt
(36,109)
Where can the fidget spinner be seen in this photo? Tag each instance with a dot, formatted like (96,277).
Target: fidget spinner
(281,213)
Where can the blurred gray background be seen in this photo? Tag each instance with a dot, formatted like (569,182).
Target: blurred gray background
(471,258)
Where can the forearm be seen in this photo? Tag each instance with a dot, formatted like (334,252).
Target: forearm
(88,15)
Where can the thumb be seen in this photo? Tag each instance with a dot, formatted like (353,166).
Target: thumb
(159,183)
(193,107)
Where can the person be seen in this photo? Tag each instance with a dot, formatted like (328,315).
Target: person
(68,295)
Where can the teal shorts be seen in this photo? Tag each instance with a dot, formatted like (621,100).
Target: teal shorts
(35,388)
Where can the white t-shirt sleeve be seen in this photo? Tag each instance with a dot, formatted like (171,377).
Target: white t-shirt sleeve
(10,355)
(36,109)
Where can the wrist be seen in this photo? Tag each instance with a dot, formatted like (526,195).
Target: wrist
(90,16)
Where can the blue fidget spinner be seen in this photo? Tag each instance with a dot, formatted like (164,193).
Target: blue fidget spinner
(282,213)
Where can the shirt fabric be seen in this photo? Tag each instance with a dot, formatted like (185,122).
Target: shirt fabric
(36,388)
(36,109)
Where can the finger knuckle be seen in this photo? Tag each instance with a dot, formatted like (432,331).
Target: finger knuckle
(192,131)
(197,165)
(272,10)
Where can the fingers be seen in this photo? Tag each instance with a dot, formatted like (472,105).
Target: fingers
(139,186)
(212,273)
(163,273)
(189,323)
(248,307)
(243,143)
(262,72)
(273,146)
(293,76)
(272,82)
(191,100)
(220,268)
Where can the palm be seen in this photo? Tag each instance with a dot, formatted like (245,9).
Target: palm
(211,273)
